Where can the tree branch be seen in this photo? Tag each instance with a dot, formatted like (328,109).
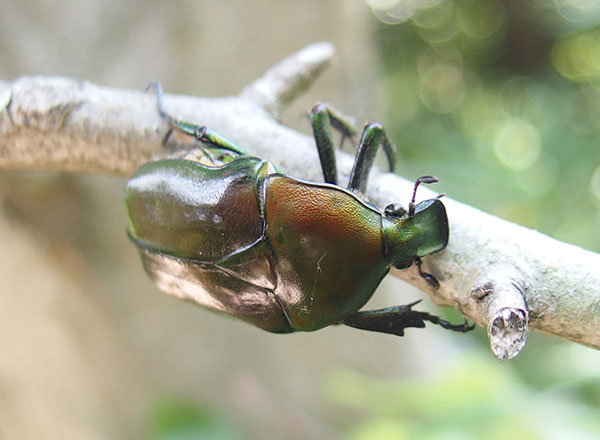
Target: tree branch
(502,276)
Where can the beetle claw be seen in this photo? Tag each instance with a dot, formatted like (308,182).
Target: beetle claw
(414,303)
(431,280)
(461,328)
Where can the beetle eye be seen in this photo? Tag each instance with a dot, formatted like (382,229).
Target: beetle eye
(394,210)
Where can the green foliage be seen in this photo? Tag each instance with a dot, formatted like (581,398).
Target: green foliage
(501,100)
(472,400)
(177,420)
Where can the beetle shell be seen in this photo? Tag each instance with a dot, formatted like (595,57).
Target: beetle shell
(187,210)
(280,253)
(329,250)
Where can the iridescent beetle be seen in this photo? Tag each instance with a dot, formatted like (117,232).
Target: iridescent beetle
(231,233)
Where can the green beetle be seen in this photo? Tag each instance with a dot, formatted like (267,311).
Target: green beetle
(229,232)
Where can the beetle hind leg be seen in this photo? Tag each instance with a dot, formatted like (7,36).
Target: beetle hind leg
(394,320)
(208,137)
(323,117)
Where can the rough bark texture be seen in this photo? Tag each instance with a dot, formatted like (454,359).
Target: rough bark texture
(502,276)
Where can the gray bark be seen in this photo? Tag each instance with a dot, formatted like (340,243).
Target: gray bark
(504,277)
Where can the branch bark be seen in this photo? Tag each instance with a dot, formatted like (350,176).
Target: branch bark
(504,277)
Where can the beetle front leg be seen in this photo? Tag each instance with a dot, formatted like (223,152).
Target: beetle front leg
(200,132)
(372,137)
(431,280)
(323,117)
(394,320)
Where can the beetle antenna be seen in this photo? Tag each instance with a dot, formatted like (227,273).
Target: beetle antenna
(422,179)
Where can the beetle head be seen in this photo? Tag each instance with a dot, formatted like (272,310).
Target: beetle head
(419,231)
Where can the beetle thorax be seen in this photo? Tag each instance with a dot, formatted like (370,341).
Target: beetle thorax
(417,235)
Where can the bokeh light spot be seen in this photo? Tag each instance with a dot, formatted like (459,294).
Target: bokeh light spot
(578,11)
(398,11)
(517,144)
(435,18)
(595,183)
(539,179)
(442,86)
(578,57)
(480,18)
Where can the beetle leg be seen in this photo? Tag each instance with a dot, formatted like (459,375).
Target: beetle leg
(394,320)
(202,133)
(372,137)
(321,125)
(431,280)
(323,117)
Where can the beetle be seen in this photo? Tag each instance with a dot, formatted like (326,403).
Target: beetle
(231,233)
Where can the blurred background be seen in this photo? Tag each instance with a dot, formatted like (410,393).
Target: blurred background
(500,99)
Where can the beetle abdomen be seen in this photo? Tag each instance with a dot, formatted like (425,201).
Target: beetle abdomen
(185,209)
(216,289)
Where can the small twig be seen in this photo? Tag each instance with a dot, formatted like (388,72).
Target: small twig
(289,78)
(505,311)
